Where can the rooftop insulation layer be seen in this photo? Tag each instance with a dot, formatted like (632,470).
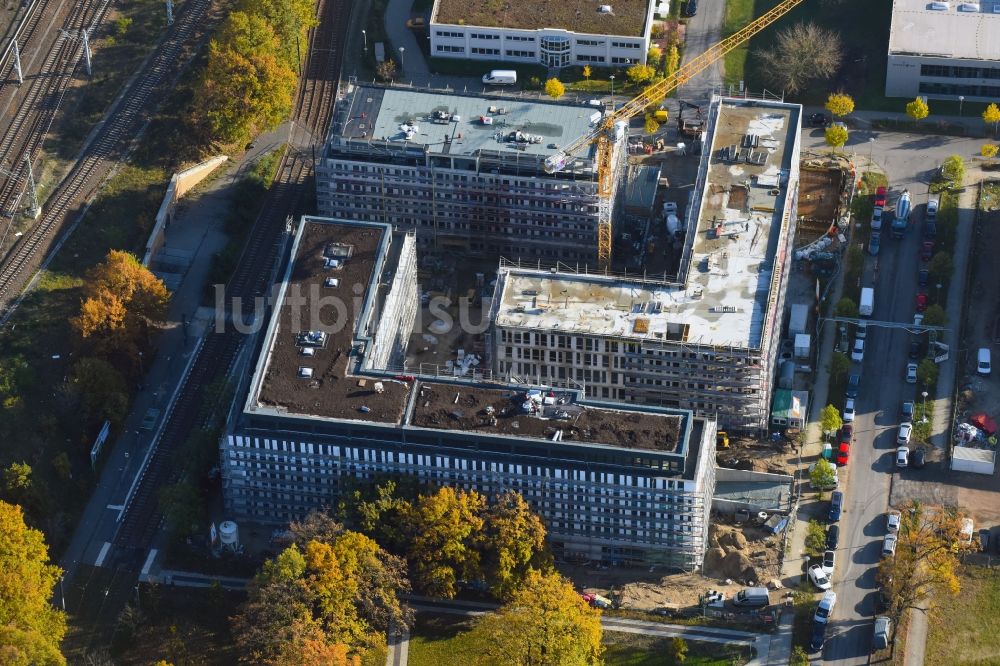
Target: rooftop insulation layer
(968,30)
(724,298)
(458,125)
(627,18)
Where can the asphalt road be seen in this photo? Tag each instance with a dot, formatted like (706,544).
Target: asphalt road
(703,30)
(909,161)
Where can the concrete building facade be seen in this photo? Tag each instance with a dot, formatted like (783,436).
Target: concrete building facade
(551,34)
(708,342)
(944,50)
(613,483)
(465,173)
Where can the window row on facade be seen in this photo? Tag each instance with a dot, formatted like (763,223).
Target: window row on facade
(960,72)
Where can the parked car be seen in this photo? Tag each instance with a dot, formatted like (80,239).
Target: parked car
(418,22)
(880,195)
(819,120)
(911,373)
(915,348)
(883,630)
(923,277)
(829,561)
(832,537)
(843,454)
(906,412)
(892,520)
(825,607)
(874,243)
(917,459)
(984,362)
(858,352)
(932,209)
(902,457)
(889,545)
(882,601)
(846,434)
(862,330)
(853,382)
(836,505)
(848,416)
(930,230)
(926,250)
(984,540)
(691,8)
(904,433)
(818,578)
(877,218)
(921,302)
(817,637)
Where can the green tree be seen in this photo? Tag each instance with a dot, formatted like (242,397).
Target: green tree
(991,116)
(446,531)
(829,419)
(640,73)
(799,657)
(290,20)
(840,104)
(846,307)
(654,57)
(31,628)
(122,24)
(248,85)
(513,544)
(673,60)
(917,109)
(650,125)
(953,170)
(386,70)
(100,389)
(835,136)
(839,365)
(927,373)
(823,474)
(935,316)
(554,88)
(677,650)
(815,538)
(183,509)
(546,623)
(941,267)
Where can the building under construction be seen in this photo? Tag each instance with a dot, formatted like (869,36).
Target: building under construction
(621,484)
(708,342)
(466,172)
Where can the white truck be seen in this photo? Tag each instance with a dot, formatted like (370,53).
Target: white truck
(867,304)
(500,77)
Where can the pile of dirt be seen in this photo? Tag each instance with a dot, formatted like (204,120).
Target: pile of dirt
(741,554)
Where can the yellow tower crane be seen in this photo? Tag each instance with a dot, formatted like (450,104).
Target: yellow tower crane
(603,133)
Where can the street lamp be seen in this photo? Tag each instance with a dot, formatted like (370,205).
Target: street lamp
(364,35)
(961,99)
(871,146)
(924,420)
(402,63)
(612,77)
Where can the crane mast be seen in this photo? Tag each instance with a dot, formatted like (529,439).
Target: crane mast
(604,133)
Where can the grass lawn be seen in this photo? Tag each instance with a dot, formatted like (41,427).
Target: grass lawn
(963,629)
(738,14)
(442,639)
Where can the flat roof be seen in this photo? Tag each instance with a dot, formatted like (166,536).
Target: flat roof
(546,415)
(516,126)
(338,390)
(734,243)
(973,33)
(330,391)
(627,17)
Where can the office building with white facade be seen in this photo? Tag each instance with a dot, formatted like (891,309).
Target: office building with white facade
(707,342)
(613,483)
(944,50)
(465,172)
(554,34)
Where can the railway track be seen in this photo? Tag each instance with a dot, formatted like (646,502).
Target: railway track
(108,147)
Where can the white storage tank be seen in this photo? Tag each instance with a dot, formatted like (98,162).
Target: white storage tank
(229,535)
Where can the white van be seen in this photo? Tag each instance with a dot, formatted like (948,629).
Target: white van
(500,77)
(983,366)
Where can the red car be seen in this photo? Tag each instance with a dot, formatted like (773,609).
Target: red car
(880,196)
(843,453)
(921,302)
(926,250)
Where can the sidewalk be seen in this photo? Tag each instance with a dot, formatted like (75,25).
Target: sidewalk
(413,67)
(973,124)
